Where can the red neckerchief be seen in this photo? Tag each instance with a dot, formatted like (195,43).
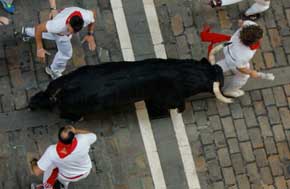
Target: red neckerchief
(69,148)
(75,13)
(255,46)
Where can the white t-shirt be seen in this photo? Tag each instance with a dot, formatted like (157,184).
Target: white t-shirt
(237,54)
(58,24)
(76,163)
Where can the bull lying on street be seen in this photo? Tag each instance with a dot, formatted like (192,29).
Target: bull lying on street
(163,82)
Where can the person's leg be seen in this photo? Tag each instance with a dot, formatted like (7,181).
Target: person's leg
(49,177)
(63,54)
(223,65)
(230,2)
(66,181)
(233,88)
(258,7)
(30,31)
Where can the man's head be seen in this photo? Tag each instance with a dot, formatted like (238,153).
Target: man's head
(251,34)
(75,23)
(66,134)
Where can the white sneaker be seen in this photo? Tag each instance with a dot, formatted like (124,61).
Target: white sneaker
(53,75)
(234,93)
(24,36)
(36,186)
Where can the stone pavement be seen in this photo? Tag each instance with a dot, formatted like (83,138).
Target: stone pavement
(242,145)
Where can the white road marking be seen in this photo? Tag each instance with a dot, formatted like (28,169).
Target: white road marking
(142,114)
(178,124)
(185,150)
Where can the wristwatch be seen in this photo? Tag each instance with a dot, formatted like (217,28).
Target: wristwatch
(52,8)
(90,33)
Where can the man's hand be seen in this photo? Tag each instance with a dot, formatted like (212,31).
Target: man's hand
(72,129)
(52,14)
(266,76)
(91,42)
(41,54)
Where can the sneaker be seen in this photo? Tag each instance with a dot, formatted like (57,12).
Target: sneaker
(36,186)
(253,17)
(234,93)
(8,7)
(22,34)
(215,3)
(53,75)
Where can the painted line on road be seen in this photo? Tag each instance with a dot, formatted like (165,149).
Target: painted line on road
(141,111)
(178,124)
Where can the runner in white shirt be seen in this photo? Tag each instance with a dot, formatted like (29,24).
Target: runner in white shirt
(60,28)
(237,55)
(67,161)
(252,13)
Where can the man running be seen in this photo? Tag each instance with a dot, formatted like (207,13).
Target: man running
(67,161)
(238,52)
(252,13)
(60,29)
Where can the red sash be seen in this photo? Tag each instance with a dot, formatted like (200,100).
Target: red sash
(213,38)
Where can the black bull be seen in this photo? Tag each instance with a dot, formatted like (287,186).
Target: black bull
(166,83)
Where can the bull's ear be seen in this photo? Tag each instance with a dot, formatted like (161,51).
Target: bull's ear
(204,60)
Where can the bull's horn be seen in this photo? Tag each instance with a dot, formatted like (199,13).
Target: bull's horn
(216,49)
(219,95)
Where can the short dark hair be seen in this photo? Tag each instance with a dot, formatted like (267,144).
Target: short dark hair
(77,23)
(67,140)
(251,34)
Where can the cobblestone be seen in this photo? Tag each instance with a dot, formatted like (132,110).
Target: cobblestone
(229,176)
(250,117)
(278,133)
(247,151)
(270,146)
(268,97)
(256,139)
(224,157)
(233,145)
(275,165)
(273,114)
(261,157)
(238,163)
(243,182)
(228,127)
(241,129)
(266,175)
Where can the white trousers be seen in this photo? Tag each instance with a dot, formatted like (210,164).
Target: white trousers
(239,79)
(64,48)
(60,178)
(258,7)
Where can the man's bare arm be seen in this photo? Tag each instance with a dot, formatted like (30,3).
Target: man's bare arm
(39,29)
(91,26)
(52,4)
(35,169)
(252,73)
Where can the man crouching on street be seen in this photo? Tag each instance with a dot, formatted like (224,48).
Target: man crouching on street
(67,161)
